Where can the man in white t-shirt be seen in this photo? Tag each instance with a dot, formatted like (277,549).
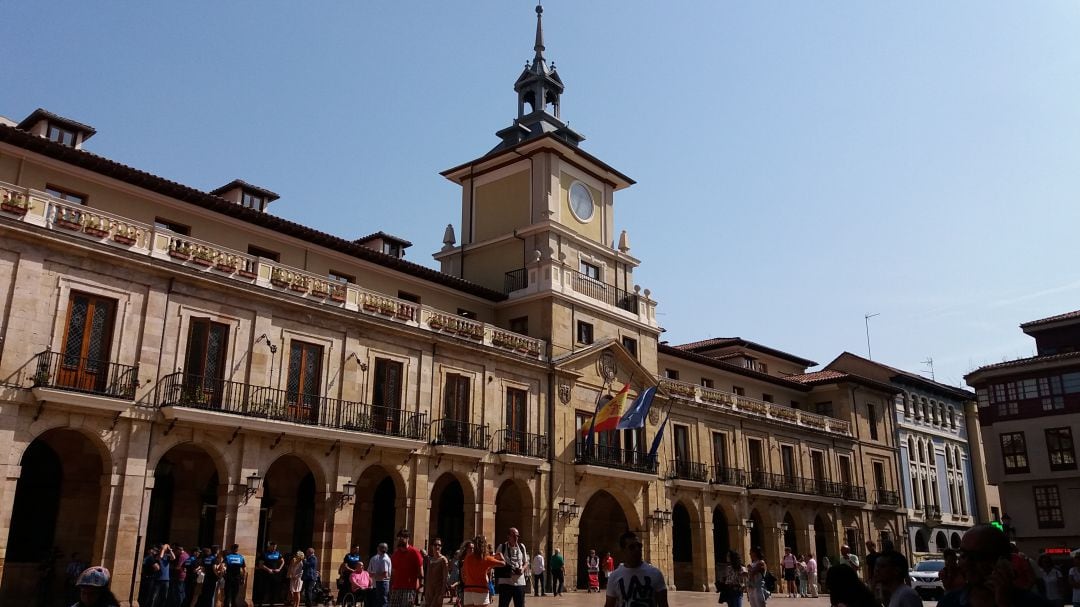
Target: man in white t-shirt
(635,583)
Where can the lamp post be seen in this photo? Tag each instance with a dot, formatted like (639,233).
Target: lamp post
(348,492)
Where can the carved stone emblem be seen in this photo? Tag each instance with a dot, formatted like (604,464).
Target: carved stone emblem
(564,391)
(606,367)
(654,415)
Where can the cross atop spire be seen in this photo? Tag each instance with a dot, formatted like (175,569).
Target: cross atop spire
(539,46)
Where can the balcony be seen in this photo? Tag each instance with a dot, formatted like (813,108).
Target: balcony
(214,261)
(453,433)
(719,400)
(732,477)
(594,289)
(515,280)
(682,469)
(618,463)
(885,497)
(83,382)
(805,486)
(357,422)
(524,444)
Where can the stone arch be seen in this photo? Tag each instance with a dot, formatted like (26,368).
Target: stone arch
(290,512)
(185,503)
(314,465)
(221,459)
(453,510)
(791,533)
(602,521)
(954,541)
(513,508)
(757,532)
(921,542)
(24,438)
(58,503)
(629,509)
(941,541)
(683,524)
(722,540)
(379,507)
(824,537)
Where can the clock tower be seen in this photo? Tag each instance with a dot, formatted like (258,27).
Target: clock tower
(537,223)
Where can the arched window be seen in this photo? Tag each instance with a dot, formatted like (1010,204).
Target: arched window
(952,418)
(941,414)
(948,457)
(912,456)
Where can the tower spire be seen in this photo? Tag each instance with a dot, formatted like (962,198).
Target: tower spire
(539,46)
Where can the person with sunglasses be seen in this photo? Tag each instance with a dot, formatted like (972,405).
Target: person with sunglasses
(985,561)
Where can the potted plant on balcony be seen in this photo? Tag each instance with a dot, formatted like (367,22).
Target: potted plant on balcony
(40,377)
(179,249)
(244,271)
(15,202)
(68,219)
(95,226)
(387,307)
(435,322)
(320,289)
(203,256)
(279,278)
(337,293)
(299,284)
(225,263)
(125,235)
(404,312)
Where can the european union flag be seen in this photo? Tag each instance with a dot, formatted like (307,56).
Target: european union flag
(637,412)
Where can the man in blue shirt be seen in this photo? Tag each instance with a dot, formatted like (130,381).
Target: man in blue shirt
(156,575)
(267,569)
(209,559)
(310,575)
(235,571)
(348,566)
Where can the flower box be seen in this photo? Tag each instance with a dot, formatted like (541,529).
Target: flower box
(319,292)
(202,261)
(404,313)
(15,207)
(299,287)
(93,231)
(246,273)
(226,267)
(69,224)
(179,254)
(123,239)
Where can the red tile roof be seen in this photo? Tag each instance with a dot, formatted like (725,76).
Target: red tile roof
(723,342)
(1047,358)
(829,376)
(1051,319)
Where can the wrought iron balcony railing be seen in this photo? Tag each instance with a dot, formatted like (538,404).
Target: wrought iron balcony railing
(515,280)
(885,497)
(688,470)
(600,291)
(722,475)
(612,457)
(805,486)
(456,433)
(73,373)
(198,392)
(516,442)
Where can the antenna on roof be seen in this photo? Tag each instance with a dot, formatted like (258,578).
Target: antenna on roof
(866,321)
(930,363)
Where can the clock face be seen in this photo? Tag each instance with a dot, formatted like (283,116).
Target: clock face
(581,202)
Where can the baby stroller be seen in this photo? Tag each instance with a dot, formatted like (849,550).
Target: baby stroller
(320,594)
(594,581)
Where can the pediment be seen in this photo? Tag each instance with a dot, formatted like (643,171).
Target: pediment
(600,368)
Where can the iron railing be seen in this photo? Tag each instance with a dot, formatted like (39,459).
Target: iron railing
(885,497)
(688,470)
(517,442)
(613,296)
(612,457)
(515,280)
(73,373)
(459,434)
(805,486)
(722,475)
(198,392)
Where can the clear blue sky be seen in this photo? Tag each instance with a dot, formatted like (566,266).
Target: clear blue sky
(799,164)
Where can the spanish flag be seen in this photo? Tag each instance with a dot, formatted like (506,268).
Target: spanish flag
(609,415)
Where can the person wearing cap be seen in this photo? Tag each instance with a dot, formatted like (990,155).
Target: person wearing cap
(235,571)
(93,585)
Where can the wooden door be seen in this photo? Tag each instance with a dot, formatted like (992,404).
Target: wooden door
(386,411)
(456,409)
(87,341)
(204,365)
(304,383)
(515,420)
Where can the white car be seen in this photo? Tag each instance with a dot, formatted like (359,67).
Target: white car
(924,578)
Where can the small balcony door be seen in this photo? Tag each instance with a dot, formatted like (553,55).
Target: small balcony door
(304,384)
(204,365)
(787,461)
(386,414)
(817,469)
(456,409)
(682,450)
(516,402)
(757,459)
(879,477)
(87,341)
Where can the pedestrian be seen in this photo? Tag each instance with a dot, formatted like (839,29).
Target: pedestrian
(989,579)
(538,575)
(607,565)
(191,577)
(890,575)
(310,575)
(93,585)
(755,578)
(848,558)
(636,583)
(296,578)
(800,574)
(235,572)
(1074,580)
(592,567)
(476,564)
(345,570)
(731,579)
(267,573)
(157,569)
(871,559)
(74,568)
(437,575)
(952,578)
(510,582)
(408,571)
(178,582)
(1053,582)
(811,575)
(789,562)
(555,566)
(379,566)
(360,584)
(846,589)
(823,573)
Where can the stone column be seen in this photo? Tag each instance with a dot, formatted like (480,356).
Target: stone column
(7,505)
(705,559)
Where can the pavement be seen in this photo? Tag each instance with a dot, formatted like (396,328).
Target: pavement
(681,598)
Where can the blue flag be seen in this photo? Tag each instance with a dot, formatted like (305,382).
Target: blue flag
(637,412)
(659,436)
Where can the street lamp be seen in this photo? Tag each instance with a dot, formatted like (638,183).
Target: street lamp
(254,482)
(749,525)
(568,510)
(348,492)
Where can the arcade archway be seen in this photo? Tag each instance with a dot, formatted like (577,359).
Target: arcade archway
(288,511)
(513,508)
(921,544)
(451,513)
(682,547)
(941,541)
(599,527)
(375,513)
(184,502)
(791,535)
(721,540)
(822,535)
(757,532)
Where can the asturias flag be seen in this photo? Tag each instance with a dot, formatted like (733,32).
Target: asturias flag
(608,416)
(638,411)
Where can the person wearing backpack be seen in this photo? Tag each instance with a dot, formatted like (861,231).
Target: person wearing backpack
(510,578)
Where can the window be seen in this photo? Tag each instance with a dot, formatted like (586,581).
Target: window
(253,201)
(879,476)
(87,342)
(1059,446)
(767,398)
(342,277)
(204,364)
(392,248)
(65,195)
(520,325)
(738,391)
(584,332)
(871,419)
(1014,452)
(706,382)
(386,397)
(456,392)
(787,461)
(682,443)
(757,455)
(1048,507)
(266,253)
(590,270)
(304,383)
(824,408)
(817,465)
(408,296)
(172,226)
(516,414)
(671,374)
(844,465)
(630,344)
(719,449)
(61,135)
